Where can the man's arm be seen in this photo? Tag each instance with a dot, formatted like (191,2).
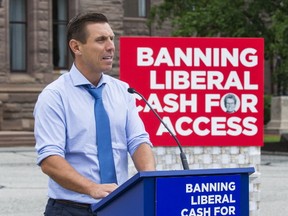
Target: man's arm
(143,158)
(65,175)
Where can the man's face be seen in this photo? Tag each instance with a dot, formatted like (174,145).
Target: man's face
(98,51)
(230,105)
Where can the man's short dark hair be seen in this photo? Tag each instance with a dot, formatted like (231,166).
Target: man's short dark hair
(76,26)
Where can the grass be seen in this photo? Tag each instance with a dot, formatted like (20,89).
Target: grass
(271,138)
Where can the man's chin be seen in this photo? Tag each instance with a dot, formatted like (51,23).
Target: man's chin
(107,69)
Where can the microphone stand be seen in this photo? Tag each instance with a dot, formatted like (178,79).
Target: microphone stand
(182,154)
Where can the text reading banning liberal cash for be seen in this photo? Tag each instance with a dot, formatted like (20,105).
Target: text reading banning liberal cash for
(208,91)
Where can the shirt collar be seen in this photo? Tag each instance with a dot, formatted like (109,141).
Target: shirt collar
(79,80)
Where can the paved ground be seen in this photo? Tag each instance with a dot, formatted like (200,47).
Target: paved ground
(274,179)
(23,186)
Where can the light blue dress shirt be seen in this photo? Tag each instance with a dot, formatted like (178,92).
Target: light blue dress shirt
(65,126)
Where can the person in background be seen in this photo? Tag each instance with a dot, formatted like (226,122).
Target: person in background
(66,130)
(230,103)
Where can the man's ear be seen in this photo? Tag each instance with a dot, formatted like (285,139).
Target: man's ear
(75,46)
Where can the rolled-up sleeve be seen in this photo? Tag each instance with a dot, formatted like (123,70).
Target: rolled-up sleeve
(136,133)
(49,129)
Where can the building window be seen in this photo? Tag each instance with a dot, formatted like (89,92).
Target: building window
(18,35)
(60,20)
(136,8)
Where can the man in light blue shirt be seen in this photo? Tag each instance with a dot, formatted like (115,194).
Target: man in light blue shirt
(65,129)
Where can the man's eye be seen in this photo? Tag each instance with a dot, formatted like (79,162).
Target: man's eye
(101,39)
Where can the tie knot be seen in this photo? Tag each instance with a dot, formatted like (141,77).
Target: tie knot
(96,92)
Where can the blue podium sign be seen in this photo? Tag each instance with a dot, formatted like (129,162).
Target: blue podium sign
(210,192)
(199,196)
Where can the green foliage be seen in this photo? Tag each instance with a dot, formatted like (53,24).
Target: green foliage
(209,18)
(226,18)
(267,108)
(271,138)
(280,47)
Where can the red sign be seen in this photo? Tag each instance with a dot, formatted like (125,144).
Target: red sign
(208,91)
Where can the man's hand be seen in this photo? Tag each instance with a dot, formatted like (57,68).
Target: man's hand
(65,175)
(99,191)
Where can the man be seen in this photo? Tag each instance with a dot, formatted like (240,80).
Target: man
(230,103)
(65,128)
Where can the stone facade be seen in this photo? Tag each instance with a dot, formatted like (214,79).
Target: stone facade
(279,116)
(19,91)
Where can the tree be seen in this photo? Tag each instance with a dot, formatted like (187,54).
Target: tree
(279,47)
(225,18)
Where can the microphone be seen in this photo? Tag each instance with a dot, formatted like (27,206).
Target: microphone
(182,154)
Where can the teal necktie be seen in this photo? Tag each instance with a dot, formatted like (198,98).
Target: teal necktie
(103,138)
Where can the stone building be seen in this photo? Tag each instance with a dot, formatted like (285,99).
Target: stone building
(34,53)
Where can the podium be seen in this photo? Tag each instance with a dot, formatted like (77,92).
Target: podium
(204,192)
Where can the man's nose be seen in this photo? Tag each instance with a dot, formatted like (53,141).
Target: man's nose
(110,44)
